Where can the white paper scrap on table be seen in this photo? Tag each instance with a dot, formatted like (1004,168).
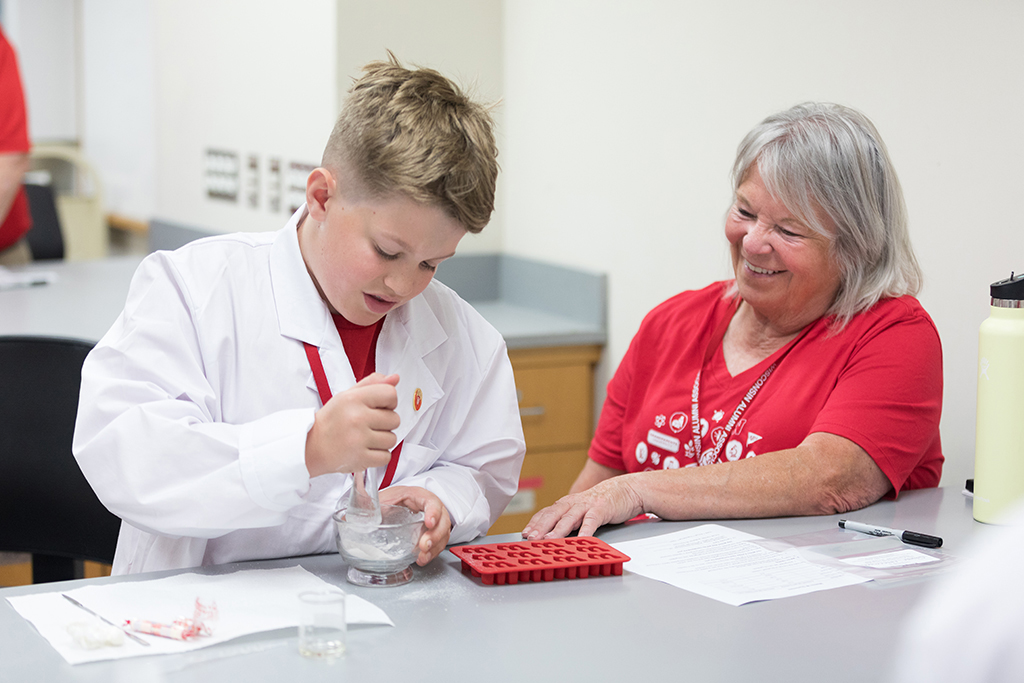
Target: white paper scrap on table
(898,558)
(720,563)
(248,601)
(13,279)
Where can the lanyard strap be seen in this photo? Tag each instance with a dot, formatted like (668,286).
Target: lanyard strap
(319,376)
(716,446)
(324,389)
(716,338)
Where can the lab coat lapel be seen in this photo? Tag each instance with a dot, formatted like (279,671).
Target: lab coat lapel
(301,313)
(401,350)
(303,316)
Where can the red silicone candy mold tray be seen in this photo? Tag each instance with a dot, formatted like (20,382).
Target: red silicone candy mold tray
(556,558)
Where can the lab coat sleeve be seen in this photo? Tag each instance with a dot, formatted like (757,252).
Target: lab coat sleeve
(149,437)
(477,473)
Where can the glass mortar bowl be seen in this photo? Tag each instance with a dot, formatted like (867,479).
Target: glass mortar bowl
(380,556)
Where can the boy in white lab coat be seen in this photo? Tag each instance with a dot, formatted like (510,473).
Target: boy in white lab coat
(200,421)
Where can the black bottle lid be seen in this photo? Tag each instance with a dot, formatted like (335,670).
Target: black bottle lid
(1010,289)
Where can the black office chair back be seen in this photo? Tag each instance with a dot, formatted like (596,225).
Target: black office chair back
(45,238)
(47,508)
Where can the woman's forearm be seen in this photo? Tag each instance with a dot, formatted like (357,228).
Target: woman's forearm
(825,474)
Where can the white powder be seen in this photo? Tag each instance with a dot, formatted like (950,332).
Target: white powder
(368,551)
(376,545)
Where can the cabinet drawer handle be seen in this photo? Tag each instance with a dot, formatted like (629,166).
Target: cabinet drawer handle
(532,411)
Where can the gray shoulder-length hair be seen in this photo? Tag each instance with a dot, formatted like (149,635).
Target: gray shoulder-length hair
(827,163)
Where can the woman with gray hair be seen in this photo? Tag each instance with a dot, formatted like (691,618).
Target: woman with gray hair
(810,384)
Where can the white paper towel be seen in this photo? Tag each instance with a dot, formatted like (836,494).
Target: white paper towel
(248,601)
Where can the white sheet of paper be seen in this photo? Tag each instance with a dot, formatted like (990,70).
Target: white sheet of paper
(248,601)
(899,558)
(13,279)
(719,563)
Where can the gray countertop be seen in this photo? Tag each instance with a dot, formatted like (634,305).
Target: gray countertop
(531,305)
(526,327)
(82,302)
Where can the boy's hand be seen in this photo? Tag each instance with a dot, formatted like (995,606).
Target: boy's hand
(354,430)
(436,522)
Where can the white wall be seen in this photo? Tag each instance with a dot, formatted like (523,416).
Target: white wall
(460,38)
(622,120)
(252,78)
(266,80)
(148,87)
(89,74)
(118,126)
(46,38)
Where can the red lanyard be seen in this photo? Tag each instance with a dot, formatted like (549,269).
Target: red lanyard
(709,457)
(324,389)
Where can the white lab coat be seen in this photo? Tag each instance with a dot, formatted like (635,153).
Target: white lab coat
(195,406)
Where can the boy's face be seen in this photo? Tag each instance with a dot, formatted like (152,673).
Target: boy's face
(369,256)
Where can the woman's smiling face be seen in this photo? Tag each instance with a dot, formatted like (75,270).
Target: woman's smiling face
(783,268)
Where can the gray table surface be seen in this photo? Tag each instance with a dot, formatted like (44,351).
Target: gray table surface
(83,302)
(450,627)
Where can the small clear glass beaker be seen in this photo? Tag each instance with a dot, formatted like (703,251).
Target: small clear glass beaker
(322,624)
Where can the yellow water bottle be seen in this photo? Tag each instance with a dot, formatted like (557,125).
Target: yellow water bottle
(999,441)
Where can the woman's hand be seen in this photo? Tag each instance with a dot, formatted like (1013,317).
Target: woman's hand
(611,501)
(436,521)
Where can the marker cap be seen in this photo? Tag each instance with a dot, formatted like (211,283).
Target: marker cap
(923,540)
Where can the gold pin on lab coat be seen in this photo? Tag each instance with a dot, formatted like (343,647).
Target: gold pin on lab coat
(417,400)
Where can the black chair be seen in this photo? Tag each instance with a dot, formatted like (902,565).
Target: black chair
(45,238)
(47,508)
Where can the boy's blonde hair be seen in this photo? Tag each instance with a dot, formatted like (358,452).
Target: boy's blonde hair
(413,132)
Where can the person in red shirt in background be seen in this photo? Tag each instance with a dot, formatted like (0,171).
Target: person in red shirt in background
(811,384)
(14,148)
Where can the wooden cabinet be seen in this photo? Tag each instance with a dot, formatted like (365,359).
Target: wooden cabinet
(19,571)
(556,402)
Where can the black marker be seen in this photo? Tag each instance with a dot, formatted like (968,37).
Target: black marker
(911,537)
